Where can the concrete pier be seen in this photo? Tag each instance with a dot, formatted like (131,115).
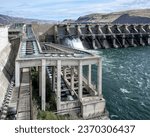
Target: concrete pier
(17,74)
(58,85)
(80,80)
(89,75)
(43,84)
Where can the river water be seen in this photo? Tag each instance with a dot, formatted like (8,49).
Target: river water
(126,82)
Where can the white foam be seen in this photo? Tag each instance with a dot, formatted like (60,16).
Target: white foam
(113,116)
(124,90)
(130,99)
(74,43)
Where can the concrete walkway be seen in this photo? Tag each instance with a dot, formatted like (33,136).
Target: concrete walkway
(24,108)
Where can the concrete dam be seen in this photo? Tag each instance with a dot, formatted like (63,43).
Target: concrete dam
(57,54)
(96,36)
(56,65)
(8,53)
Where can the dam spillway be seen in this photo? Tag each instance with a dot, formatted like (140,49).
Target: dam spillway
(96,36)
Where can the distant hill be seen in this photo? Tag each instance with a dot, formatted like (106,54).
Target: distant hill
(68,21)
(130,16)
(4,19)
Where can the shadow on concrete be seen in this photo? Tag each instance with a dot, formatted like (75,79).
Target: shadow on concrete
(9,67)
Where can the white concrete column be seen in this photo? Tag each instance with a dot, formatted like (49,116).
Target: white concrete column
(55,34)
(64,72)
(68,29)
(123,40)
(114,41)
(93,42)
(89,75)
(40,81)
(141,40)
(72,80)
(80,79)
(99,77)
(78,30)
(53,78)
(58,85)
(37,69)
(148,40)
(17,74)
(43,82)
(132,40)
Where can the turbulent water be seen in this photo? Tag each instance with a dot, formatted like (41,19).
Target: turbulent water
(126,82)
(74,43)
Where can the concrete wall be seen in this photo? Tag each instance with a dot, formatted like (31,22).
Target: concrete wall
(8,54)
(4,55)
(4,81)
(92,107)
(3,37)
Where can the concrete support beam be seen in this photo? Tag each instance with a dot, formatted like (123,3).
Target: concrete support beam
(141,40)
(99,77)
(89,75)
(58,85)
(80,80)
(132,41)
(109,29)
(114,42)
(126,29)
(64,72)
(68,29)
(79,33)
(99,30)
(134,27)
(53,78)
(43,84)
(40,81)
(148,40)
(93,42)
(72,80)
(142,29)
(89,29)
(17,74)
(123,40)
(118,29)
(36,68)
(56,34)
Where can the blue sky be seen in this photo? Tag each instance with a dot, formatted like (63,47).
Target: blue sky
(64,9)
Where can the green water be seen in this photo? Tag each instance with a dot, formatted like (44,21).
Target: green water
(126,82)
